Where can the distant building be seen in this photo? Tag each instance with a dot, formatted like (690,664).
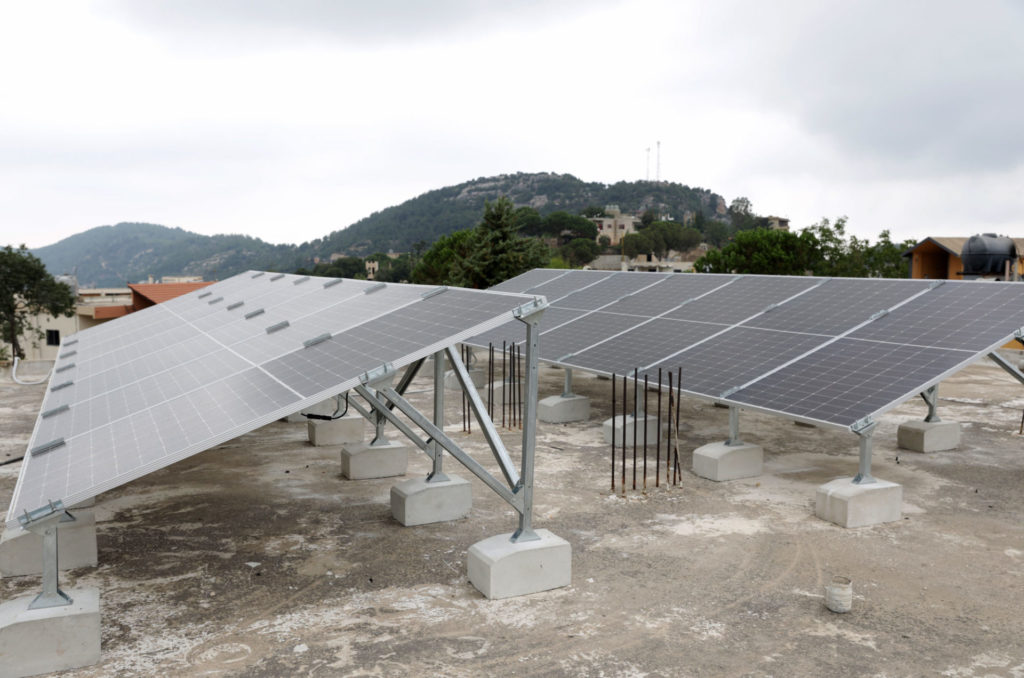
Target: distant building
(939,258)
(616,224)
(372,266)
(93,307)
(778,223)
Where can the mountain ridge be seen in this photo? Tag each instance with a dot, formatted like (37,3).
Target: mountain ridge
(112,255)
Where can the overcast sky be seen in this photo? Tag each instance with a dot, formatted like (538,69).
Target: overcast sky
(288,120)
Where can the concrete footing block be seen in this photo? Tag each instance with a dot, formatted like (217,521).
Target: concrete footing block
(52,638)
(720,461)
(362,461)
(847,504)
(21,551)
(563,409)
(924,436)
(418,502)
(477,375)
(342,431)
(648,421)
(501,568)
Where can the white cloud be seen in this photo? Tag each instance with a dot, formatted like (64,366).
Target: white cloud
(290,120)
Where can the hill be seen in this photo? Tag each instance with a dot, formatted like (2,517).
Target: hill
(454,208)
(108,256)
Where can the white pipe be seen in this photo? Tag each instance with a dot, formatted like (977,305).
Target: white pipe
(14,375)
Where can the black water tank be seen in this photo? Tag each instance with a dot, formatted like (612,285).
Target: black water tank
(987,254)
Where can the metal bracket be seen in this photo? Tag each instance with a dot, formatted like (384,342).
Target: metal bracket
(879,314)
(1006,365)
(529,308)
(937,283)
(44,521)
(379,377)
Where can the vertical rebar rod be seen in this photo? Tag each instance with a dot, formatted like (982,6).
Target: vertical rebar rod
(645,432)
(636,375)
(668,447)
(613,432)
(657,446)
(677,473)
(622,484)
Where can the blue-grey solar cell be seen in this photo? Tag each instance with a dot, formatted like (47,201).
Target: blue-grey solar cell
(966,315)
(514,331)
(850,379)
(742,299)
(582,333)
(734,357)
(610,290)
(572,281)
(641,346)
(667,294)
(838,305)
(528,280)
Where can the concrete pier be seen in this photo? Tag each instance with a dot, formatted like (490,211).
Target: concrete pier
(648,421)
(343,431)
(848,504)
(418,501)
(925,436)
(561,409)
(361,461)
(722,461)
(51,638)
(501,568)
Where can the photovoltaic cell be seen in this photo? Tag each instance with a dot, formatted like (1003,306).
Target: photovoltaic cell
(174,379)
(609,290)
(743,298)
(672,291)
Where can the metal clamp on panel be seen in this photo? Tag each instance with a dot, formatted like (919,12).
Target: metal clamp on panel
(276,277)
(316,340)
(937,283)
(863,425)
(68,354)
(60,386)
(46,447)
(729,392)
(232,307)
(879,314)
(300,280)
(65,368)
(277,326)
(252,314)
(56,410)
(204,295)
(434,292)
(211,302)
(332,283)
(70,343)
(258,274)
(374,288)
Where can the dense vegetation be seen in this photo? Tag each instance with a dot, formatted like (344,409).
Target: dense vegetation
(821,249)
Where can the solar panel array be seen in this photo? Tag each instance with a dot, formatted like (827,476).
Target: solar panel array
(832,351)
(141,392)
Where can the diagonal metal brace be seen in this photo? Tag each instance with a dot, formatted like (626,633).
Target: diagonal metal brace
(476,404)
(44,521)
(438,436)
(1007,365)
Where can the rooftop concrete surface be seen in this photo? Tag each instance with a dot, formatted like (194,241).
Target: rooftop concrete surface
(256,559)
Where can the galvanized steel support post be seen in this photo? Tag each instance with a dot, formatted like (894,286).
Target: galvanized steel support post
(525,488)
(734,427)
(866,435)
(567,387)
(436,472)
(44,522)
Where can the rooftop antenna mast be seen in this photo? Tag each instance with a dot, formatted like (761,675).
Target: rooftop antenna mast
(658,179)
(648,175)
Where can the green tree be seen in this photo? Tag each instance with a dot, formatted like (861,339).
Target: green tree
(648,217)
(635,244)
(569,226)
(580,251)
(762,251)
(495,251)
(27,290)
(435,266)
(592,211)
(528,221)
(717,233)
(885,258)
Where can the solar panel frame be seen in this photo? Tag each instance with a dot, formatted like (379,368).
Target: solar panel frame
(191,406)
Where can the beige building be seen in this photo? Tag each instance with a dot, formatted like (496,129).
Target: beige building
(616,225)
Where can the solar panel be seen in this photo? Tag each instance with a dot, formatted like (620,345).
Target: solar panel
(833,351)
(141,392)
